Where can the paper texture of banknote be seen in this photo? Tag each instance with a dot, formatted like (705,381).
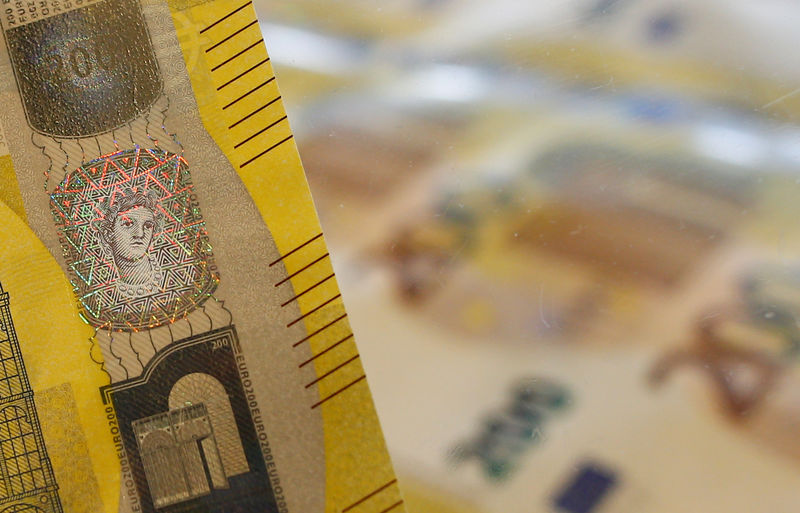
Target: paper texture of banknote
(178,341)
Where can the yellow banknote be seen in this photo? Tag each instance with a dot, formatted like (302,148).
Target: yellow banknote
(178,341)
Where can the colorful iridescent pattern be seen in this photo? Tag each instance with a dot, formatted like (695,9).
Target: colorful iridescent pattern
(134,239)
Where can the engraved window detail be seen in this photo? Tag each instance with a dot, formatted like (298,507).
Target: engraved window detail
(20,452)
(162,459)
(10,382)
(198,387)
(180,455)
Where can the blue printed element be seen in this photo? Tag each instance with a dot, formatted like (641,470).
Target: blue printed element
(586,490)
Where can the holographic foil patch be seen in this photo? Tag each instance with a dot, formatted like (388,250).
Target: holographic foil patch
(134,239)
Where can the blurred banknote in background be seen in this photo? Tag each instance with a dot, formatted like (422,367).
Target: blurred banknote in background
(567,234)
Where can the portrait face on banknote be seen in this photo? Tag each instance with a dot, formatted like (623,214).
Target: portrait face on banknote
(128,228)
(127,231)
(134,239)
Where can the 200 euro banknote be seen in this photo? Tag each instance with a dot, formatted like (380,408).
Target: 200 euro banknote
(178,341)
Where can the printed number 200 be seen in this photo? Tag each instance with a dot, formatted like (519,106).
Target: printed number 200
(219,344)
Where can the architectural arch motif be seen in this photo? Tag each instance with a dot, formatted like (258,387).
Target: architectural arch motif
(23,508)
(201,388)
(162,459)
(20,452)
